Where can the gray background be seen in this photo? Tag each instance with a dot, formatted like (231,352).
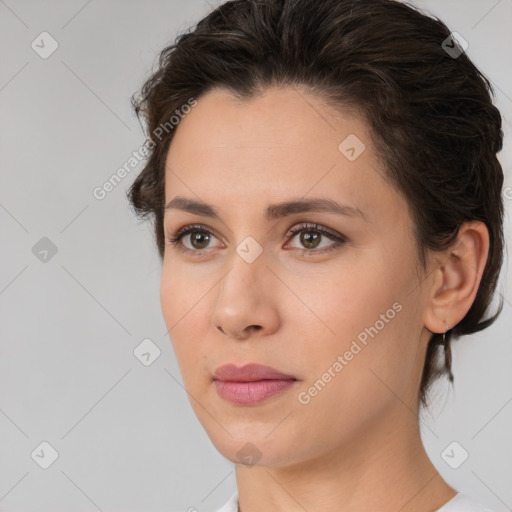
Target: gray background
(126,436)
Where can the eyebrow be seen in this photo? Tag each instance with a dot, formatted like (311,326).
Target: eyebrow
(273,211)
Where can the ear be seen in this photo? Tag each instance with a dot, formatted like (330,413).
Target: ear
(455,277)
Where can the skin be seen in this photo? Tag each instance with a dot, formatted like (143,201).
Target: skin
(356,445)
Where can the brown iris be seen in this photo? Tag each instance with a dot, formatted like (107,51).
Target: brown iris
(201,237)
(310,240)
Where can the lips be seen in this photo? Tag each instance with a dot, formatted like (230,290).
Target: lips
(250,384)
(249,373)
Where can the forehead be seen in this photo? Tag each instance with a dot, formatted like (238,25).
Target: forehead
(282,143)
(277,119)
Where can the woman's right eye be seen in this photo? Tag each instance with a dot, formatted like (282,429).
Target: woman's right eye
(201,237)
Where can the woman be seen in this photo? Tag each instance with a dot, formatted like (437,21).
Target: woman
(326,197)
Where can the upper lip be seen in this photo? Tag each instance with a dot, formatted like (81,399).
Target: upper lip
(249,373)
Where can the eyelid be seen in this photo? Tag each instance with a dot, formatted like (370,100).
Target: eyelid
(313,226)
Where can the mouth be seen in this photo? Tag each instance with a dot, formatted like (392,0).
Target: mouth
(251,383)
(249,373)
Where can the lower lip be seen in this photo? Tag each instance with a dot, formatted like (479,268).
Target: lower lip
(247,393)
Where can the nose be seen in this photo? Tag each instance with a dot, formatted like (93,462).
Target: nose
(246,302)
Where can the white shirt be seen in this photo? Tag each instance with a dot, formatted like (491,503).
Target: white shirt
(459,503)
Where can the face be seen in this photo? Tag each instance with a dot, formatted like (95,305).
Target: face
(332,299)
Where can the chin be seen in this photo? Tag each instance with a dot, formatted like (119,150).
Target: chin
(255,449)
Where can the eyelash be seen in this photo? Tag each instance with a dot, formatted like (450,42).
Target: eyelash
(338,239)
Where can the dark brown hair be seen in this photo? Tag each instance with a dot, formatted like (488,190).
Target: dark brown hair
(430,111)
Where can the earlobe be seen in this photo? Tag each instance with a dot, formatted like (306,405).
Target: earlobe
(456,276)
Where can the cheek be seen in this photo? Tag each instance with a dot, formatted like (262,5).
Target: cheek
(353,300)
(368,315)
(182,294)
(170,292)
(181,305)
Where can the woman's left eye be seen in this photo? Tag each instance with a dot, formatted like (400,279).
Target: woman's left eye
(310,237)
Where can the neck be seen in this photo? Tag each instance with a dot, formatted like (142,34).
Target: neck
(383,467)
